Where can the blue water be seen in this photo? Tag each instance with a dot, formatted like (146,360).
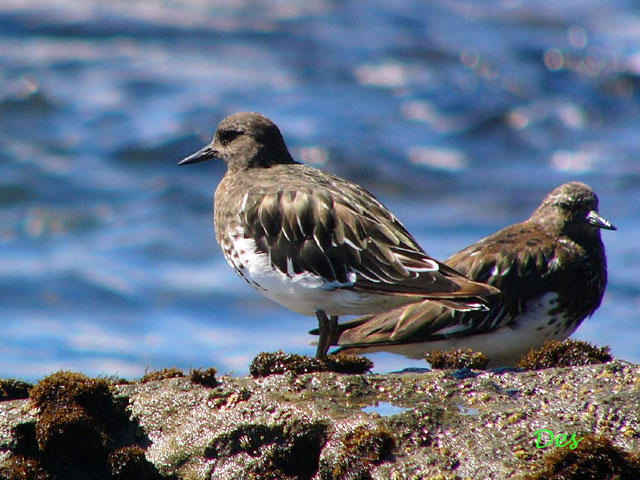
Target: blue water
(385,409)
(459,115)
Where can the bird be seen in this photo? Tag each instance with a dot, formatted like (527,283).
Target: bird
(551,271)
(317,244)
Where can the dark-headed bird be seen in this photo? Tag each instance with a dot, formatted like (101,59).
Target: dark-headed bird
(551,270)
(316,243)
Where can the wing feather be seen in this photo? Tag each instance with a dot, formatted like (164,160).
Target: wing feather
(341,232)
(497,260)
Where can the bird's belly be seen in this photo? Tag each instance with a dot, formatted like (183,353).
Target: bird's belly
(304,293)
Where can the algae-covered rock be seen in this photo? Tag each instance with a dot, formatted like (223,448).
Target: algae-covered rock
(12,389)
(567,353)
(171,372)
(72,427)
(594,458)
(456,359)
(330,426)
(204,376)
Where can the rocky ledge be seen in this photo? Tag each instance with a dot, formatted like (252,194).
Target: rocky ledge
(577,422)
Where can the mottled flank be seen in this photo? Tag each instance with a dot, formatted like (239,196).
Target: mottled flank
(456,359)
(362,449)
(171,372)
(206,377)
(595,458)
(11,389)
(570,353)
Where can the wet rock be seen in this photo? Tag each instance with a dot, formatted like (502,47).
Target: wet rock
(315,426)
(72,427)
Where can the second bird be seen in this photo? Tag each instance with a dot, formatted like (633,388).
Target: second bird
(551,270)
(316,243)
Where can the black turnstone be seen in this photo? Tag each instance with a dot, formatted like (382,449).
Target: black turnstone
(313,242)
(551,270)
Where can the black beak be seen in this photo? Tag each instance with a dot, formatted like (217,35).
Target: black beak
(200,156)
(596,220)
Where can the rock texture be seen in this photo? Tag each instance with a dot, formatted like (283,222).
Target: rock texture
(338,426)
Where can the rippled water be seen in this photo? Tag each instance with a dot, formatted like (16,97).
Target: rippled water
(459,115)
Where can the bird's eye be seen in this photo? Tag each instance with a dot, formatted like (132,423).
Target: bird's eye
(227,136)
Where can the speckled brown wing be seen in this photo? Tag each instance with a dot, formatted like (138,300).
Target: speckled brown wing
(518,260)
(339,231)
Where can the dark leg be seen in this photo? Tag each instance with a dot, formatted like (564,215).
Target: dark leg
(328,333)
(334,333)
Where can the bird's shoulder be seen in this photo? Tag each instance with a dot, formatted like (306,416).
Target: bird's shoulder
(519,251)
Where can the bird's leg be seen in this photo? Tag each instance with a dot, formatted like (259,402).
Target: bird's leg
(328,327)
(334,333)
(323,324)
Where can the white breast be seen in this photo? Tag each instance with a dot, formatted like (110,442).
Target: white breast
(304,293)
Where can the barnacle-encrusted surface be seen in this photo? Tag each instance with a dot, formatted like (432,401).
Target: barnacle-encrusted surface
(308,426)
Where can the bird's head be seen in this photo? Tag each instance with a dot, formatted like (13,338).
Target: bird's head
(244,140)
(572,210)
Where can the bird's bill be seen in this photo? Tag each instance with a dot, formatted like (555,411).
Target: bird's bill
(596,220)
(200,156)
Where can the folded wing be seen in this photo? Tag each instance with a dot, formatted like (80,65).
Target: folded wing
(342,233)
(508,260)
